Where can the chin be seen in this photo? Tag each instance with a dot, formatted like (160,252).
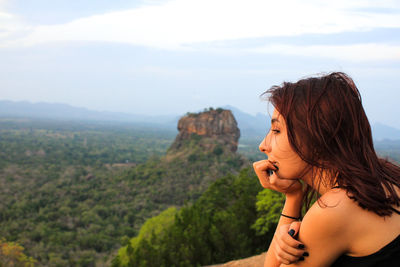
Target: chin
(287,177)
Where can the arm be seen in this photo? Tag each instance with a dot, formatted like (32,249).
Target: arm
(293,191)
(325,233)
(292,207)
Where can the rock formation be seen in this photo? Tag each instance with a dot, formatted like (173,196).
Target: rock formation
(210,128)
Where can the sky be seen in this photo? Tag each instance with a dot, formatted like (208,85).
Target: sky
(160,57)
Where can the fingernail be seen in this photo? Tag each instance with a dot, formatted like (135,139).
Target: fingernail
(291,232)
(300,246)
(305,254)
(276,167)
(301,258)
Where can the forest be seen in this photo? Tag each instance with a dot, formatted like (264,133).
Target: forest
(63,197)
(106,194)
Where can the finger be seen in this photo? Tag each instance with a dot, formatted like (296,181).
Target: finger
(287,243)
(270,180)
(289,248)
(289,240)
(295,226)
(273,179)
(260,168)
(284,257)
(263,165)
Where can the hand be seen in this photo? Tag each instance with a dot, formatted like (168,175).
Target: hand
(273,181)
(287,249)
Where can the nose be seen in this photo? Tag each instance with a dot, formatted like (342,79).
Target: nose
(265,145)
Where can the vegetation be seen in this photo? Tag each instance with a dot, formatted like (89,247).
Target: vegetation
(248,147)
(192,114)
(155,226)
(70,194)
(11,254)
(63,187)
(216,228)
(233,219)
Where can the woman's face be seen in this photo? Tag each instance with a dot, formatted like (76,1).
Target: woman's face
(277,147)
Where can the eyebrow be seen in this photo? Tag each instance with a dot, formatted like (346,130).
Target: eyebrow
(273,120)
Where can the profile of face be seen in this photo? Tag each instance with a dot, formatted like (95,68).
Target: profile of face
(279,151)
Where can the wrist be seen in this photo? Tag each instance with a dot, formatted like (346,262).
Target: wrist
(291,217)
(293,205)
(294,197)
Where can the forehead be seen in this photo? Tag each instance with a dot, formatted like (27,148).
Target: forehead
(275,114)
(277,118)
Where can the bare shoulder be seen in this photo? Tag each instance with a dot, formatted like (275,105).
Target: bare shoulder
(329,216)
(335,202)
(324,230)
(337,225)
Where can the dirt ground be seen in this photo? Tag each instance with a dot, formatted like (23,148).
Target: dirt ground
(255,261)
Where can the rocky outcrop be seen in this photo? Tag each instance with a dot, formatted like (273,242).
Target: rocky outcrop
(211,128)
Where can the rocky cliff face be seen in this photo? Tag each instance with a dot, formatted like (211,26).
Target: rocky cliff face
(209,128)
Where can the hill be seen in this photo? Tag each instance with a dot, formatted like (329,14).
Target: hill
(71,191)
(252,127)
(59,111)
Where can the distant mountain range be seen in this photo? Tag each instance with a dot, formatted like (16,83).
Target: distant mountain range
(58,111)
(250,126)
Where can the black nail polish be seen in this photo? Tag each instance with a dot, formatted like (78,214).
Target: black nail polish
(301,258)
(276,167)
(291,232)
(305,254)
(300,246)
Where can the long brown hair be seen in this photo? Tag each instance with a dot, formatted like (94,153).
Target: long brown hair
(328,128)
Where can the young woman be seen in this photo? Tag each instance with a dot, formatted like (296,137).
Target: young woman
(320,141)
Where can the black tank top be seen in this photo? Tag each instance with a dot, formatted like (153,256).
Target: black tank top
(388,256)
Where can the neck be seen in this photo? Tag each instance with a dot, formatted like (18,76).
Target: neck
(319,180)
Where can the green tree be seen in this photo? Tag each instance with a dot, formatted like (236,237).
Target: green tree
(216,228)
(11,254)
(269,205)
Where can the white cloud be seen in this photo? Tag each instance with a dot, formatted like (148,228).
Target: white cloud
(162,72)
(179,24)
(356,53)
(11,26)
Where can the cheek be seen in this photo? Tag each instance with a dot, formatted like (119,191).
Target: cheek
(291,169)
(291,166)
(283,151)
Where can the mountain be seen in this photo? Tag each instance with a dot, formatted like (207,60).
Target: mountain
(59,111)
(250,126)
(214,128)
(381,132)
